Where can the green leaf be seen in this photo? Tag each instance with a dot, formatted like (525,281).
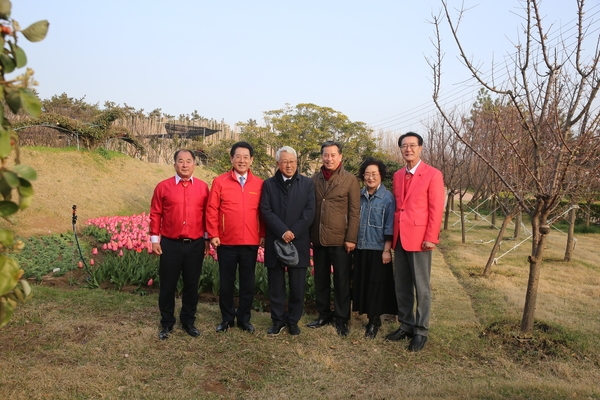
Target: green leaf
(25,194)
(19,55)
(5,8)
(13,99)
(8,208)
(11,178)
(5,147)
(25,172)
(8,65)
(5,189)
(25,188)
(30,102)
(7,238)
(36,31)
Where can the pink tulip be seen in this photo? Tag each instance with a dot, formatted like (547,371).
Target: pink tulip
(79,264)
(121,253)
(91,261)
(150,282)
(104,246)
(94,251)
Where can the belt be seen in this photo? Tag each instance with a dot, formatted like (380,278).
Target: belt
(183,240)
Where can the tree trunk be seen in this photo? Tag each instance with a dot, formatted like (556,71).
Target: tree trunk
(461,206)
(518,222)
(540,233)
(588,213)
(571,233)
(488,267)
(448,205)
(493,207)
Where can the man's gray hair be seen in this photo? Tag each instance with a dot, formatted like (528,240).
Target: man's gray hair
(286,149)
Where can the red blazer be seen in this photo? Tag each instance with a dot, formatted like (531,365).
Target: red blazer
(418,215)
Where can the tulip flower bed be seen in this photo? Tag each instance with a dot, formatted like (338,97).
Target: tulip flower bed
(123,257)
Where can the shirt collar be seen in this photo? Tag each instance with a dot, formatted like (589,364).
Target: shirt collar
(237,176)
(414,169)
(178,178)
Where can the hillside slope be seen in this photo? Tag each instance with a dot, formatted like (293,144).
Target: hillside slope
(98,186)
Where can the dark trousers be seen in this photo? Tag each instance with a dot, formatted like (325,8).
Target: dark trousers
(277,293)
(324,258)
(412,277)
(185,260)
(230,257)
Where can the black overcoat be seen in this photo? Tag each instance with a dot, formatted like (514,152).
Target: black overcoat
(284,209)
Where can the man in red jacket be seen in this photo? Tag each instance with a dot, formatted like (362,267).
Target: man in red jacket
(419,192)
(236,231)
(177,228)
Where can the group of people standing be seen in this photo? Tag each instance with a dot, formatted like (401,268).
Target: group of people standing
(353,233)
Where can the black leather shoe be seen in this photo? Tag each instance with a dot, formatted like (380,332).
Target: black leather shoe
(371,331)
(164,332)
(246,326)
(399,334)
(293,329)
(319,322)
(191,330)
(417,342)
(275,329)
(342,328)
(223,326)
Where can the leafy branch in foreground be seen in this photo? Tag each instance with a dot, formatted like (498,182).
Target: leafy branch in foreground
(16,95)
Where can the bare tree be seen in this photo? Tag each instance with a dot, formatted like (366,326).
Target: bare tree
(552,87)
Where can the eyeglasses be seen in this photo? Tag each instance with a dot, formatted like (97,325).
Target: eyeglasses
(411,146)
(291,162)
(371,175)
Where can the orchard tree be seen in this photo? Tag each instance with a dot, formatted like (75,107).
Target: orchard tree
(306,126)
(15,184)
(551,88)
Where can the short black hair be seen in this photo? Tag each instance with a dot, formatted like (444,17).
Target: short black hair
(330,143)
(407,134)
(372,161)
(184,150)
(244,145)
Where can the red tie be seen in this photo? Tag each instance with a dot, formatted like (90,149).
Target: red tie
(407,180)
(184,183)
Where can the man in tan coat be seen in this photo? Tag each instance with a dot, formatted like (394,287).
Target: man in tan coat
(334,235)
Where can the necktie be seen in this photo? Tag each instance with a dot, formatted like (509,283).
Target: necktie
(407,180)
(242,179)
(184,182)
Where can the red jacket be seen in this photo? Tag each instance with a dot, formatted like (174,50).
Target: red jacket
(177,211)
(418,215)
(232,212)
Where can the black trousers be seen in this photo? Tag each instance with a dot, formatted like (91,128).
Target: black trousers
(277,294)
(185,260)
(230,258)
(324,258)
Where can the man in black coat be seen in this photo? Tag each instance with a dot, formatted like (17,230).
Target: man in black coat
(287,206)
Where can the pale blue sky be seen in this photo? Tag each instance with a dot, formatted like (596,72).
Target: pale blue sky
(233,60)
